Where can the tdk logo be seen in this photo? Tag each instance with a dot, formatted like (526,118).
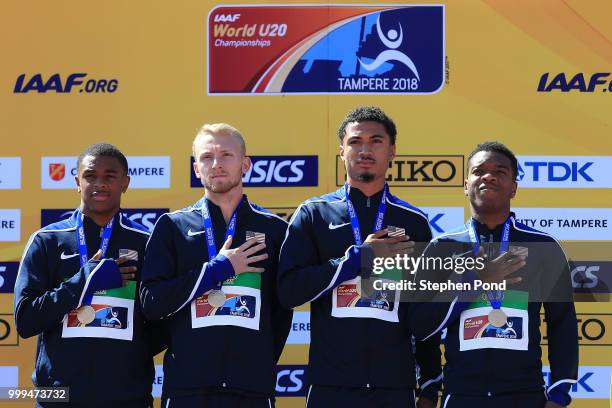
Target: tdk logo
(73,82)
(277,171)
(564,171)
(8,274)
(147,217)
(291,381)
(560,82)
(226,18)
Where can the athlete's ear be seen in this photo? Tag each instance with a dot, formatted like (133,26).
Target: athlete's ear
(393,150)
(246,165)
(196,170)
(78,183)
(514,187)
(126,184)
(341,151)
(465,187)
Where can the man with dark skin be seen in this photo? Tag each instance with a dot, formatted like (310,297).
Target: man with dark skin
(65,285)
(492,346)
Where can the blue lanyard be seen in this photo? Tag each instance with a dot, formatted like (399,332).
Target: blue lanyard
(83,258)
(496,297)
(382,207)
(208,228)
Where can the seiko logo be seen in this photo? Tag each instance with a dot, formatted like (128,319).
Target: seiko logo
(417,171)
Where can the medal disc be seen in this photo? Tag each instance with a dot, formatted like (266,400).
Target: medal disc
(497,318)
(216,298)
(86,314)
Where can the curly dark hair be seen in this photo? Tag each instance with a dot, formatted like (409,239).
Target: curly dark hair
(497,147)
(368,114)
(104,149)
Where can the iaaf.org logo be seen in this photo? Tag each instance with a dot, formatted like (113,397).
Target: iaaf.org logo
(8,275)
(147,217)
(276,171)
(418,171)
(57,172)
(564,171)
(344,49)
(73,83)
(562,82)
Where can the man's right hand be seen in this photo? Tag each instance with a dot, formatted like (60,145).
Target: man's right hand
(244,255)
(390,246)
(495,271)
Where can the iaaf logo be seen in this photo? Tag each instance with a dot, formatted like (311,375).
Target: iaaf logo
(564,171)
(76,81)
(276,171)
(226,18)
(577,82)
(147,217)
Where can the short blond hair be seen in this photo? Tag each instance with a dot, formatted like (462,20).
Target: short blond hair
(217,129)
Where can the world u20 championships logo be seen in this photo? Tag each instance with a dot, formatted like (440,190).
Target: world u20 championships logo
(326,49)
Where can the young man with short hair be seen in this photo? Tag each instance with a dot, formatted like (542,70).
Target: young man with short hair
(210,276)
(76,289)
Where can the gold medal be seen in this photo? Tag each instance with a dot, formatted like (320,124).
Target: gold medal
(216,298)
(86,314)
(497,318)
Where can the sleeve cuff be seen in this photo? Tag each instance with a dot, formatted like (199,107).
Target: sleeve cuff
(104,275)
(216,271)
(560,395)
(349,266)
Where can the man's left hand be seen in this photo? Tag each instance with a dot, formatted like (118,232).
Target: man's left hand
(551,404)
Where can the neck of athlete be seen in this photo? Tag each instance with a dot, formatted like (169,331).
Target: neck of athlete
(491,218)
(227,201)
(368,188)
(100,218)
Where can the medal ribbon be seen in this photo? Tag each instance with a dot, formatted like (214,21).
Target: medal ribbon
(208,230)
(494,297)
(83,258)
(382,207)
